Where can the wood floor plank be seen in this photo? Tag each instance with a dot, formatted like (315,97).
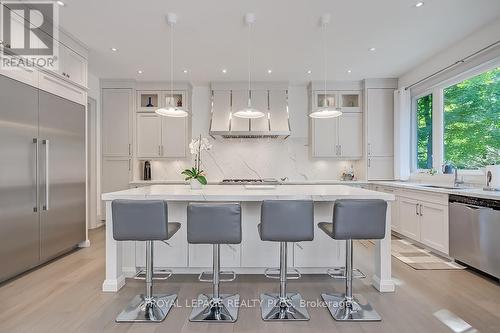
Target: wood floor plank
(65,296)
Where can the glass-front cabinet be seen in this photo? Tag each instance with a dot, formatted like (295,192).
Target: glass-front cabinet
(345,101)
(149,101)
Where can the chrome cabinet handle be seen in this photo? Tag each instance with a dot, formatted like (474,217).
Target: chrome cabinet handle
(420,210)
(159,150)
(416,209)
(129,149)
(35,208)
(340,150)
(369,149)
(369,163)
(47,174)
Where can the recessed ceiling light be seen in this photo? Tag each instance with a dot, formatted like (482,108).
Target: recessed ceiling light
(224,71)
(60,3)
(349,71)
(269,71)
(114,49)
(185,71)
(309,71)
(139,71)
(372,49)
(419,4)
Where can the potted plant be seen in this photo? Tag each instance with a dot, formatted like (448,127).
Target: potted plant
(195,175)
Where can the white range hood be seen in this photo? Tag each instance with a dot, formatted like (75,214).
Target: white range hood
(271,98)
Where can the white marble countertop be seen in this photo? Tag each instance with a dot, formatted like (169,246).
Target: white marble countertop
(240,193)
(471,192)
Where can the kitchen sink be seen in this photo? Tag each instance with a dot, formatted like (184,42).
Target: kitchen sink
(445,187)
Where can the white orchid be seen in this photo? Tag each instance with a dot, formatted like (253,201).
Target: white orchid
(199,144)
(196,147)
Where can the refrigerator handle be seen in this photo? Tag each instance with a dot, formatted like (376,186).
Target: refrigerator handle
(47,175)
(35,208)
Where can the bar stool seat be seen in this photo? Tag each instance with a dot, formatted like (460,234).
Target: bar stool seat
(215,224)
(354,219)
(144,220)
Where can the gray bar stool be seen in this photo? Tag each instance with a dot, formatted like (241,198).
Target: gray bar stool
(215,223)
(144,220)
(353,219)
(285,221)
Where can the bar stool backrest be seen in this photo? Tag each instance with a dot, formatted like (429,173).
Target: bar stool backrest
(287,220)
(140,220)
(214,223)
(359,219)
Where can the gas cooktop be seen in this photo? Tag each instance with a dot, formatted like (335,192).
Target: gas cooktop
(236,181)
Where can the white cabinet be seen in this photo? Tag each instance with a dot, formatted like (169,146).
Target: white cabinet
(350,137)
(395,220)
(434,226)
(380,133)
(159,136)
(200,255)
(424,218)
(345,100)
(148,135)
(116,173)
(72,66)
(410,219)
(116,122)
(56,86)
(339,137)
(380,167)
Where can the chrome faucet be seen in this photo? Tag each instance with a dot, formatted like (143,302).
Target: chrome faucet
(456,182)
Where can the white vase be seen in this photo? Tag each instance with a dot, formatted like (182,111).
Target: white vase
(195,184)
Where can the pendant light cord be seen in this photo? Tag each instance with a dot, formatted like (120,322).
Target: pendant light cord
(324,63)
(249,66)
(171,64)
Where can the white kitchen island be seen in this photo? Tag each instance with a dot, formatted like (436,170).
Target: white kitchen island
(252,256)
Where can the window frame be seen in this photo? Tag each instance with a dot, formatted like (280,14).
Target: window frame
(437,92)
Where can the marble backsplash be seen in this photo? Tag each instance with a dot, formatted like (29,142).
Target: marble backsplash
(256,158)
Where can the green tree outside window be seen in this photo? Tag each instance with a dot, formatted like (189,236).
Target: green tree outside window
(424,132)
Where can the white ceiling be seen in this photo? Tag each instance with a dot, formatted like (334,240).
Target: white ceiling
(211,35)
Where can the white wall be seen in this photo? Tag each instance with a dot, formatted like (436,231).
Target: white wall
(255,158)
(470,44)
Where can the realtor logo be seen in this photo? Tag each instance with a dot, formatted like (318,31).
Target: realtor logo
(28,34)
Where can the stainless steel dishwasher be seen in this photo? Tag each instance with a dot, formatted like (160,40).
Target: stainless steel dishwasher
(475,233)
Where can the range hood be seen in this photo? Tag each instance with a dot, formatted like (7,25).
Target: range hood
(270,98)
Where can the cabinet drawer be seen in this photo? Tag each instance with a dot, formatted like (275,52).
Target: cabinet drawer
(437,198)
(58,87)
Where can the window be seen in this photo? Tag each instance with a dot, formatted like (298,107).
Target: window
(471,122)
(424,132)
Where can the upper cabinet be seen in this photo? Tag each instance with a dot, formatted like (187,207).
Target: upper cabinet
(340,137)
(117,122)
(158,136)
(72,66)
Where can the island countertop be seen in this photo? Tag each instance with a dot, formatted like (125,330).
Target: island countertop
(247,193)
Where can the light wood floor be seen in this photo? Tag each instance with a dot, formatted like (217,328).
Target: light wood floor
(65,296)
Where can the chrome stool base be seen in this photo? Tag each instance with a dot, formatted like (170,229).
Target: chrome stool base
(138,310)
(273,308)
(357,311)
(224,309)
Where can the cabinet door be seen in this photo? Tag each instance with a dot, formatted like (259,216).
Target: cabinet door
(72,66)
(434,226)
(200,255)
(115,175)
(148,135)
(351,135)
(380,115)
(174,136)
(380,168)
(116,122)
(408,215)
(395,221)
(325,133)
(350,101)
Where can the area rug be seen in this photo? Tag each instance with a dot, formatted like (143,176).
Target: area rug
(419,258)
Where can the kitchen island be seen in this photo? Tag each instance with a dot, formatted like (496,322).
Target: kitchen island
(252,256)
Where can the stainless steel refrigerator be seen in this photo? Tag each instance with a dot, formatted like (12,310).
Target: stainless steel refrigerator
(42,176)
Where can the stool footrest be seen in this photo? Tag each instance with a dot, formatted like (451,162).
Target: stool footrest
(202,277)
(274,273)
(160,274)
(339,273)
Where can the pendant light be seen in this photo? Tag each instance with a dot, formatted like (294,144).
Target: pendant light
(172,110)
(249,112)
(325,111)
